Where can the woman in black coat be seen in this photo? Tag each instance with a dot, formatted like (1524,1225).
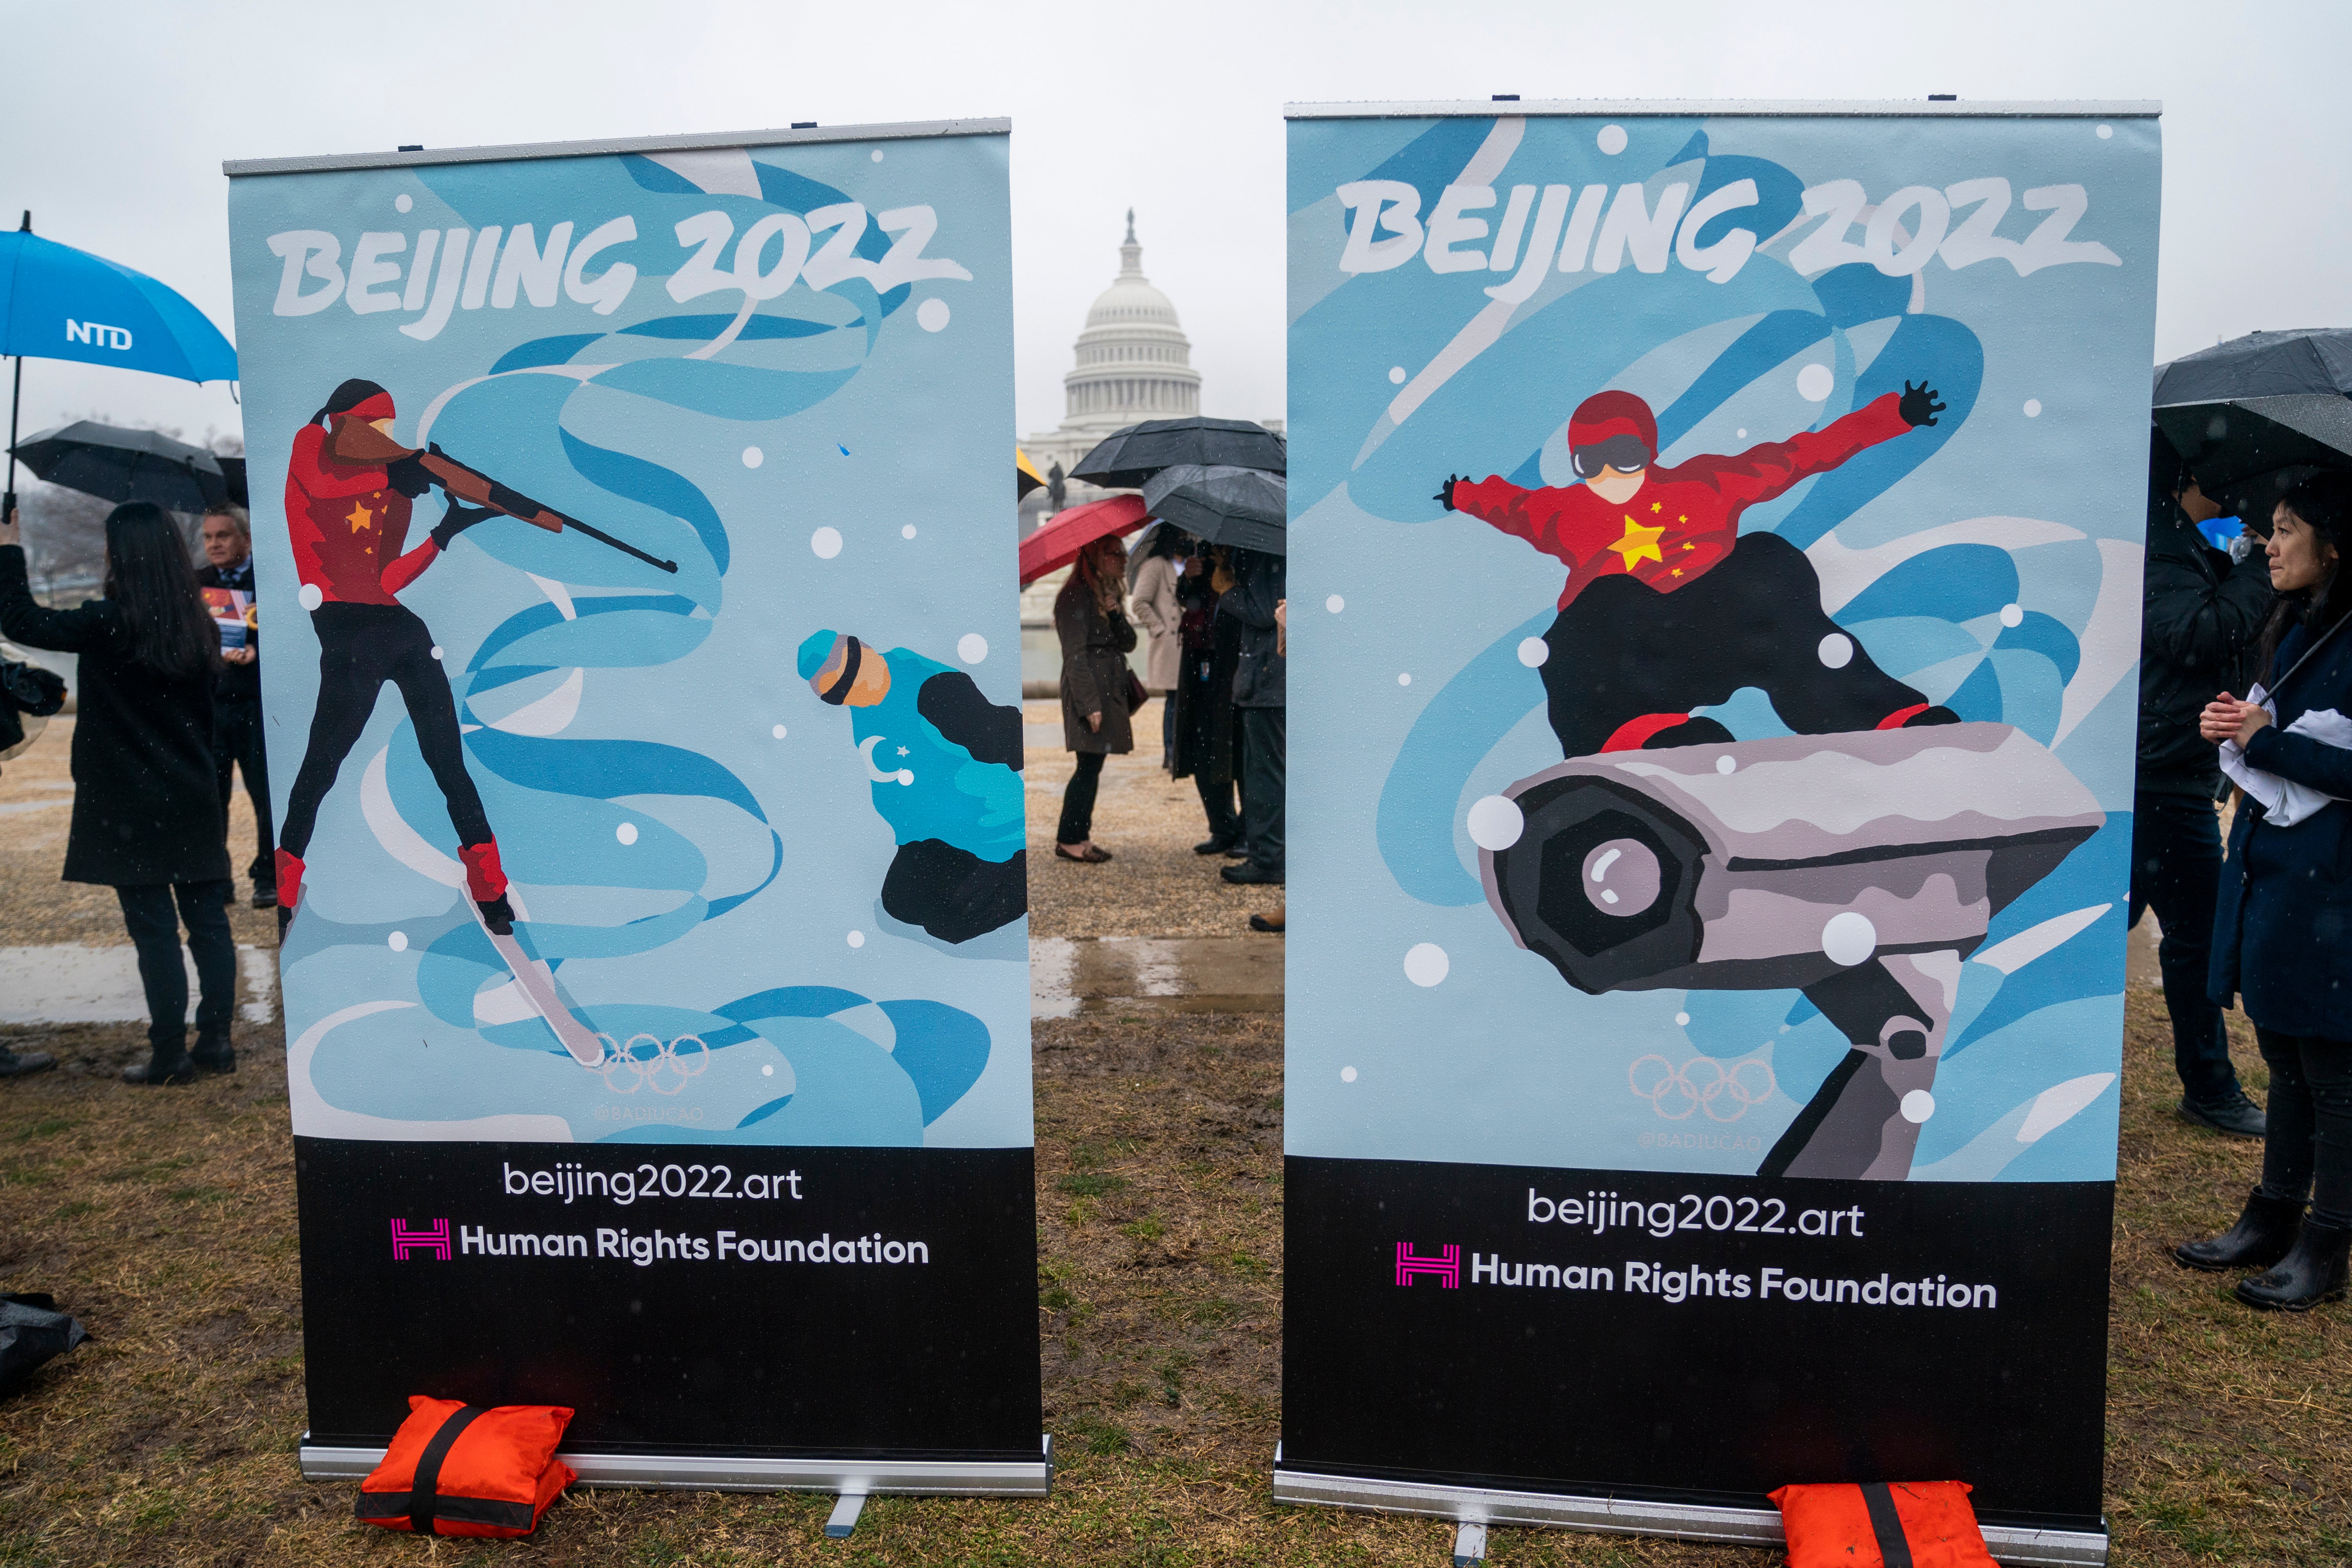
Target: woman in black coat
(146,813)
(2282,928)
(1089,614)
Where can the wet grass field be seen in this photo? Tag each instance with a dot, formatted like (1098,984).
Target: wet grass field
(165,1220)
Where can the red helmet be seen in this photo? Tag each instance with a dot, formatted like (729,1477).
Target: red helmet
(1605,416)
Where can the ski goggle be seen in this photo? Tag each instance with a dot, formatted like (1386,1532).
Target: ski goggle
(851,655)
(1626,454)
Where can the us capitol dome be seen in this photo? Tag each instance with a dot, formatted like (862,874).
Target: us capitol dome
(1133,362)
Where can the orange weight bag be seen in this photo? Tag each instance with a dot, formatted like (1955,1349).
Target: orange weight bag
(1879,1524)
(461,1470)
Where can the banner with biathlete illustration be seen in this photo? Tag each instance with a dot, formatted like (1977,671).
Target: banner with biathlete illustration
(1716,561)
(649,784)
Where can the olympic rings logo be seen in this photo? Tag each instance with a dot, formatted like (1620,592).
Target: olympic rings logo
(1673,1092)
(648,1061)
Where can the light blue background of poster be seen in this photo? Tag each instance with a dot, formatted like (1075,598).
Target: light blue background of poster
(1503,1063)
(872,414)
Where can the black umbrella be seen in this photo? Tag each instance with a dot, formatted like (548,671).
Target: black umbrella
(1128,457)
(1244,507)
(2258,414)
(128,465)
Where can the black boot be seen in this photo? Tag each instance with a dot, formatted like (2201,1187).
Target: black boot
(213,1053)
(170,1065)
(2313,1272)
(2264,1233)
(497,914)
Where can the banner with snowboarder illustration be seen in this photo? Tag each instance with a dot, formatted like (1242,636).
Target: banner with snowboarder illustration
(1714,605)
(648,755)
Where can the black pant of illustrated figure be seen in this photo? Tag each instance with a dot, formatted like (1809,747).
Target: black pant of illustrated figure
(147,915)
(2175,870)
(237,742)
(2307,1148)
(1622,651)
(361,646)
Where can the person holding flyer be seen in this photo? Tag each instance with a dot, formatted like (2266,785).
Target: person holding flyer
(226,583)
(2285,904)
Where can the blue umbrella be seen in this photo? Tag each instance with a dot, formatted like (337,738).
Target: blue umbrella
(56,303)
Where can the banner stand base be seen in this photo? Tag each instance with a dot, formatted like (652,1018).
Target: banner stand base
(1480,1509)
(852,1480)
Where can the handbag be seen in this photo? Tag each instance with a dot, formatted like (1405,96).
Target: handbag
(1136,695)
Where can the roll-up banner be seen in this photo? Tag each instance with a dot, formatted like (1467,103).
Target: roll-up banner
(647,763)
(1715,570)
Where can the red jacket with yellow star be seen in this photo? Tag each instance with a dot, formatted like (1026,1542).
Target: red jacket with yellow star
(347,526)
(1684,519)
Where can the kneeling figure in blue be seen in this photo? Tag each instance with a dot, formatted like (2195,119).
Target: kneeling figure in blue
(945,766)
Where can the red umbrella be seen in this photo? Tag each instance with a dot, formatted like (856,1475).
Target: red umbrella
(1058,542)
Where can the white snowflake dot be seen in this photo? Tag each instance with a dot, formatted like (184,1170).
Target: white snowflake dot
(1496,822)
(1836,651)
(1404,679)
(437,651)
(626,833)
(858,938)
(403,202)
(1426,963)
(1612,139)
(1533,651)
(875,155)
(1346,1075)
(907,531)
(1815,382)
(1919,1105)
(397,941)
(906,776)
(1396,375)
(826,543)
(2034,408)
(1335,603)
(2106,131)
(1682,1020)
(778,731)
(972,647)
(931,315)
(1726,765)
(1740,435)
(2012,614)
(767,1070)
(1848,938)
(753,457)
(309,596)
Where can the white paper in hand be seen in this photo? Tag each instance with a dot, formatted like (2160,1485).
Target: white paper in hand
(2286,803)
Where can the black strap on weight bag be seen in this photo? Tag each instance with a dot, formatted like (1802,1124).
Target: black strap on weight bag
(424,1486)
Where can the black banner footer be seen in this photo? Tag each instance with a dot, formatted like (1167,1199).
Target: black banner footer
(682,1299)
(1695,1338)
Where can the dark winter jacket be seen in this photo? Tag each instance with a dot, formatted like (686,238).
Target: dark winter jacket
(1258,586)
(238,682)
(146,806)
(2201,614)
(1095,671)
(2283,925)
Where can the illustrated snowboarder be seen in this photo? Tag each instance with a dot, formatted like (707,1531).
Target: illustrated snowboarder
(945,765)
(348,518)
(1667,607)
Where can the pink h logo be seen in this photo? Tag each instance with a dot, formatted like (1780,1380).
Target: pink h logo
(433,1238)
(1446,1265)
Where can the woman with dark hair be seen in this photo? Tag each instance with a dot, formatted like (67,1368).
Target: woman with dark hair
(2279,929)
(1096,680)
(146,811)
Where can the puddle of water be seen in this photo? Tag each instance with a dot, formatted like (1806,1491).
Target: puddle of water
(72,984)
(1154,974)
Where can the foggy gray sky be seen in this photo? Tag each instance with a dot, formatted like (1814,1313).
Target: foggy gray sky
(115,118)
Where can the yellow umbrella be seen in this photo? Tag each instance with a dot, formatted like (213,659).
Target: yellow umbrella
(1025,474)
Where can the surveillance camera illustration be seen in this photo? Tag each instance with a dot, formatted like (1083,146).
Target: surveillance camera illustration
(1859,868)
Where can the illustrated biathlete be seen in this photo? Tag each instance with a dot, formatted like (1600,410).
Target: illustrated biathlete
(348,516)
(1668,608)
